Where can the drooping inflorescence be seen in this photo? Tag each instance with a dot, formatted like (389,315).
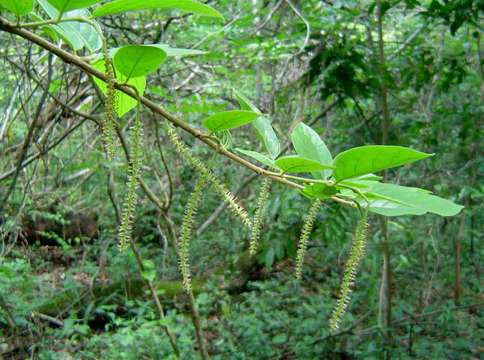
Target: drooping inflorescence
(356,254)
(108,122)
(257,222)
(305,233)
(131,199)
(204,172)
(191,209)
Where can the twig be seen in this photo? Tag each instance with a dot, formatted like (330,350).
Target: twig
(167,169)
(269,16)
(229,24)
(216,213)
(28,138)
(408,41)
(112,196)
(198,327)
(308,27)
(85,67)
(48,318)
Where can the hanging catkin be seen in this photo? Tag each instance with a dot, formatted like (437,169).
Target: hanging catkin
(356,254)
(226,195)
(305,233)
(108,122)
(257,222)
(191,209)
(131,199)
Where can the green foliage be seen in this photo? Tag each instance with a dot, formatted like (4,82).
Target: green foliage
(77,34)
(308,144)
(307,63)
(138,60)
(319,191)
(267,136)
(149,271)
(124,103)
(64,6)
(262,126)
(373,158)
(296,163)
(394,200)
(138,337)
(170,51)
(192,6)
(229,120)
(455,13)
(258,156)
(357,165)
(16,287)
(18,7)
(340,68)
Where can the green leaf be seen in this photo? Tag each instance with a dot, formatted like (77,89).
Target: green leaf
(138,60)
(67,5)
(245,103)
(319,191)
(391,208)
(18,7)
(367,159)
(395,200)
(224,138)
(267,136)
(257,156)
(77,34)
(191,6)
(262,126)
(124,102)
(6,273)
(170,52)
(295,163)
(279,339)
(308,144)
(369,177)
(363,182)
(176,52)
(229,120)
(149,271)
(269,257)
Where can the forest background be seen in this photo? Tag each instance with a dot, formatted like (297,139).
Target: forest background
(406,73)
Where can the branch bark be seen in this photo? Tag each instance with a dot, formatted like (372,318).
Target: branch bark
(70,58)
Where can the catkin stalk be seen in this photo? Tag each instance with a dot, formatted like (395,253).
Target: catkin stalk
(204,172)
(129,208)
(356,255)
(108,122)
(257,222)
(186,233)
(305,233)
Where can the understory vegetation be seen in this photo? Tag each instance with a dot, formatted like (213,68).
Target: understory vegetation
(263,179)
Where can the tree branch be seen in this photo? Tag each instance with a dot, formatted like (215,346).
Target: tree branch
(73,59)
